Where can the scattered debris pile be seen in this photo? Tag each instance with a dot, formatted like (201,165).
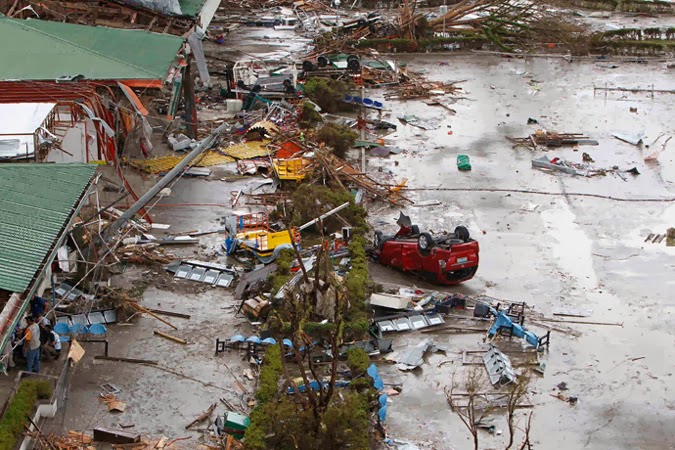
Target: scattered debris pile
(552,139)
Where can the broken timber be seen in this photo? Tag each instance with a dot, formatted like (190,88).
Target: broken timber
(169,337)
(202,417)
(344,173)
(129,360)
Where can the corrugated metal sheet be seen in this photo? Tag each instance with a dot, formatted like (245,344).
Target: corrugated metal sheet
(247,150)
(43,50)
(166,163)
(37,201)
(265,125)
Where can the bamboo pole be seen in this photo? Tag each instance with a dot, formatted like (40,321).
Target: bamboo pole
(171,338)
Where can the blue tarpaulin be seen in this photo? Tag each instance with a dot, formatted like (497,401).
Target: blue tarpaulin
(382,413)
(374,374)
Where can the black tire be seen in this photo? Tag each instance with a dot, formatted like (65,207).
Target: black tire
(307,66)
(322,61)
(354,65)
(424,244)
(414,230)
(379,240)
(462,233)
(362,22)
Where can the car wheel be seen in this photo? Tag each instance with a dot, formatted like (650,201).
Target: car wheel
(322,61)
(424,244)
(307,66)
(462,233)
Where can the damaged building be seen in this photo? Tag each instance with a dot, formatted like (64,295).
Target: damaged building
(41,205)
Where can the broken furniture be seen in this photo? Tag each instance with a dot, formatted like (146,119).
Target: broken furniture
(407,322)
(256,307)
(498,367)
(112,436)
(105,316)
(217,275)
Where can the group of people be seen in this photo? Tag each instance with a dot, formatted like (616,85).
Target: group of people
(37,339)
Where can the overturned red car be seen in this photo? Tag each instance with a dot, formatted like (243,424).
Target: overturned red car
(441,259)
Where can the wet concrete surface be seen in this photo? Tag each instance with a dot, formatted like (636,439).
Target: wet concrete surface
(581,252)
(570,251)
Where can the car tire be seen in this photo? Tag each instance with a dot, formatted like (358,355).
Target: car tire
(307,66)
(462,233)
(322,61)
(424,244)
(379,240)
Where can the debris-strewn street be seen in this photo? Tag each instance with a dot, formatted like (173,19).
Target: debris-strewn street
(300,225)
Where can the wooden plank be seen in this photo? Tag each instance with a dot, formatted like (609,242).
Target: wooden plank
(169,337)
(203,416)
(112,436)
(129,360)
(170,313)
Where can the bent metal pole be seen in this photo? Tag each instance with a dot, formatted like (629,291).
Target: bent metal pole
(205,144)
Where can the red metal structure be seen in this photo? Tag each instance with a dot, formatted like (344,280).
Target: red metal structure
(441,259)
(83,99)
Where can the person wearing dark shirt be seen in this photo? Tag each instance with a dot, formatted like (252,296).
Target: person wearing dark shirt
(37,306)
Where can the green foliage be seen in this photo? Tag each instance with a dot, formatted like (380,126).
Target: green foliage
(317,329)
(356,280)
(283,273)
(338,137)
(284,425)
(326,92)
(269,375)
(310,201)
(310,118)
(357,360)
(361,384)
(356,284)
(19,408)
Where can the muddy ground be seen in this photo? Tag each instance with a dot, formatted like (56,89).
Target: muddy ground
(548,250)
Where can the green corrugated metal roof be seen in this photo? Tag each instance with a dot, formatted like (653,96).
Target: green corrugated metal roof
(37,201)
(42,50)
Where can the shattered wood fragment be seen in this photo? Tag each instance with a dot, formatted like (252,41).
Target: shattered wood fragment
(112,436)
(202,417)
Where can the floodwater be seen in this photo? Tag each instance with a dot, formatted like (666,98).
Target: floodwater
(547,250)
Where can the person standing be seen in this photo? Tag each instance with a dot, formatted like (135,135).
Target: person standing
(37,306)
(32,345)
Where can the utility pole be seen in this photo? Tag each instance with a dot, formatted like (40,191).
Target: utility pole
(163,182)
(190,104)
